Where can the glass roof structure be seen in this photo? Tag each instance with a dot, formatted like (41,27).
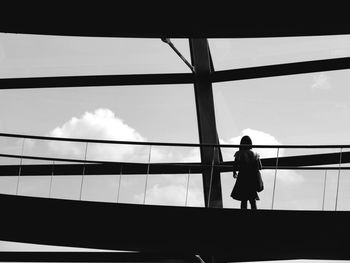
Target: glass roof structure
(180,91)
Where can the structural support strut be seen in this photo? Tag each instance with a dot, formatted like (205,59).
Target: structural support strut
(200,56)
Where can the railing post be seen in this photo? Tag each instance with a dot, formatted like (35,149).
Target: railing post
(274,181)
(51,179)
(324,188)
(20,167)
(188,184)
(337,193)
(120,181)
(211,176)
(82,177)
(148,167)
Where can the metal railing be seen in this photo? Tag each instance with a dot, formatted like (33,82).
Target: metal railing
(85,166)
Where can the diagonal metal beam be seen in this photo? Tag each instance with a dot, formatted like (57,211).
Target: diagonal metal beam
(281,69)
(178,78)
(168,41)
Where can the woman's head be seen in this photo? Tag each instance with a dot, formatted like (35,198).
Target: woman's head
(247,142)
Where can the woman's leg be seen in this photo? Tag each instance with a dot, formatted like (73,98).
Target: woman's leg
(252,204)
(244,204)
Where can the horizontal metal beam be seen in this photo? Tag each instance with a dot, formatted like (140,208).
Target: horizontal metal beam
(177,78)
(96,81)
(282,69)
(309,160)
(290,162)
(99,169)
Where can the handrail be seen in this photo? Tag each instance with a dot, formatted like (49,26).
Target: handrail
(36,137)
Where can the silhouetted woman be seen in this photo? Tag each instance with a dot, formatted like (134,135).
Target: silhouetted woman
(247,163)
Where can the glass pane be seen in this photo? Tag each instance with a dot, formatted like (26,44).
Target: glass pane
(37,186)
(37,55)
(103,188)
(55,149)
(174,154)
(117,152)
(167,189)
(251,52)
(8,184)
(343,201)
(132,189)
(303,192)
(195,191)
(66,187)
(11,146)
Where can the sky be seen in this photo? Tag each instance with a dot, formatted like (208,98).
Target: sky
(297,109)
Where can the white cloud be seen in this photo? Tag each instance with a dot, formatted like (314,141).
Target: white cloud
(104,124)
(101,124)
(321,82)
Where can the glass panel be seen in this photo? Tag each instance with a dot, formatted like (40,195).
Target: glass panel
(103,188)
(175,154)
(66,187)
(117,152)
(8,184)
(195,196)
(343,202)
(55,149)
(37,186)
(250,52)
(25,55)
(167,189)
(162,189)
(132,189)
(12,146)
(298,190)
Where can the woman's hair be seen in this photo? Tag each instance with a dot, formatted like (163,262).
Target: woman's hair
(247,142)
